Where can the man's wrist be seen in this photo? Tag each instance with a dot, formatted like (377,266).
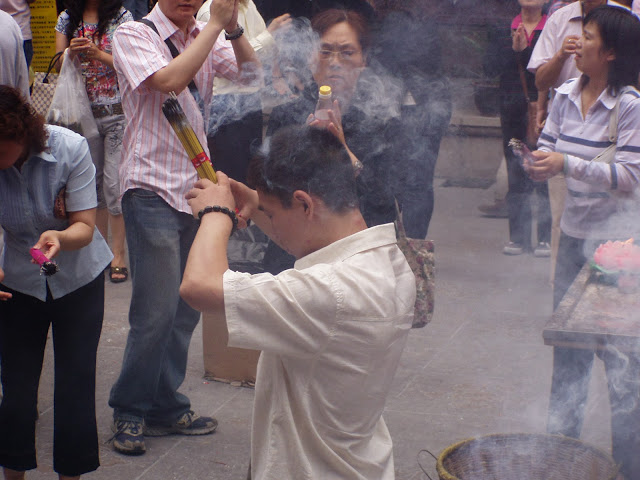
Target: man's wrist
(234,33)
(219,209)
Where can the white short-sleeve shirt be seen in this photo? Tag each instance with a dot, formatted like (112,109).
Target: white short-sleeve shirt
(331,331)
(564,22)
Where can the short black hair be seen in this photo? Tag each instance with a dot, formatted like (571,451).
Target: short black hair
(620,32)
(308,159)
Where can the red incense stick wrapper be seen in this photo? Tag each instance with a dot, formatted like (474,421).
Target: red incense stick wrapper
(47,267)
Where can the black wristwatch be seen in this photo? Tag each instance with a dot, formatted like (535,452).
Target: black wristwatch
(234,35)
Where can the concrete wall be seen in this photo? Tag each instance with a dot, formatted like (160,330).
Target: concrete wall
(472,148)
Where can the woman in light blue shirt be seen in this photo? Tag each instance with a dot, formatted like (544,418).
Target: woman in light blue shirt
(48,201)
(576,131)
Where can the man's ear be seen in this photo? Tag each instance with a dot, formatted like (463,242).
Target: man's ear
(305,201)
(611,55)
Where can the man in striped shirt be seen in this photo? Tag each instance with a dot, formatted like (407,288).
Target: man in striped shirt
(155,175)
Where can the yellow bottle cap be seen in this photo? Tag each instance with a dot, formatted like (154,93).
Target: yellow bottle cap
(325,90)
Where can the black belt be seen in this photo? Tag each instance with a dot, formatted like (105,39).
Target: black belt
(100,111)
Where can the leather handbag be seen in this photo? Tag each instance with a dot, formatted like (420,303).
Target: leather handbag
(420,257)
(44,86)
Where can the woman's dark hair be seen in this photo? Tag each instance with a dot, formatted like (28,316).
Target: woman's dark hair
(326,19)
(308,159)
(107,11)
(620,32)
(19,122)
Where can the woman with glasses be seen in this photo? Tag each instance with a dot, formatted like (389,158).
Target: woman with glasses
(365,116)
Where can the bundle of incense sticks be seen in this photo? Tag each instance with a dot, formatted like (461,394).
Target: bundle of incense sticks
(520,149)
(176,117)
(47,267)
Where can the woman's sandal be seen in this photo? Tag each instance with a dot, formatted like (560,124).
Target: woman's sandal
(118,271)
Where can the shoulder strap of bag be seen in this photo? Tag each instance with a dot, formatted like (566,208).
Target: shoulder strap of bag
(608,154)
(52,63)
(400,231)
(613,119)
(174,53)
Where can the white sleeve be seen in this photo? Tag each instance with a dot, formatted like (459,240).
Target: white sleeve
(293,313)
(546,46)
(205,12)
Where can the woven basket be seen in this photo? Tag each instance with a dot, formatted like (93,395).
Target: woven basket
(525,457)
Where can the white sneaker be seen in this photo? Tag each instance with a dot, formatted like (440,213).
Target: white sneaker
(542,250)
(512,248)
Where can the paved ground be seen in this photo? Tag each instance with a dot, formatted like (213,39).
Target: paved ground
(480,367)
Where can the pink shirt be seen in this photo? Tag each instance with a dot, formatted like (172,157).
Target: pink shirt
(518,21)
(152,156)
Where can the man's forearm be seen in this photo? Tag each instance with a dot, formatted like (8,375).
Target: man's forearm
(547,74)
(175,77)
(202,285)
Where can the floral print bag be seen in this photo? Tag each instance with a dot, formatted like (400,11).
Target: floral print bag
(421,259)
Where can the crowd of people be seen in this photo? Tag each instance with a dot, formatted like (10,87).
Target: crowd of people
(333,308)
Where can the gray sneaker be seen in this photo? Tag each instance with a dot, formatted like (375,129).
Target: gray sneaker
(189,423)
(512,248)
(128,438)
(542,250)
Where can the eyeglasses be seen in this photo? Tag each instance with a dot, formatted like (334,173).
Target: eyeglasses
(345,55)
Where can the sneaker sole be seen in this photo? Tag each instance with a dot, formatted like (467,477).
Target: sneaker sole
(164,431)
(512,252)
(129,448)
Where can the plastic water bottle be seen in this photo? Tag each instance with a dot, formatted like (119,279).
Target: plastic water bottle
(324,104)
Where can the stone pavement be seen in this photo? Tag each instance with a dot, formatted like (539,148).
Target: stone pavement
(480,367)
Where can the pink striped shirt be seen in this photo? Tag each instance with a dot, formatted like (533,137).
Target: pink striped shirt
(152,156)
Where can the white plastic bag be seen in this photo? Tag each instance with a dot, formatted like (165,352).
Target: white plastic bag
(70,106)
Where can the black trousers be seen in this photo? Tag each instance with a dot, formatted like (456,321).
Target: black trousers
(513,118)
(76,322)
(572,371)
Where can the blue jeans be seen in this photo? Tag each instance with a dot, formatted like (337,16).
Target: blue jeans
(155,358)
(27,46)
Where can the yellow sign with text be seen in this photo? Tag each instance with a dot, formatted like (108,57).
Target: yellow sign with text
(43,23)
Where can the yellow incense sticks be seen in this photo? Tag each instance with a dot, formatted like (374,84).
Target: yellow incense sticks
(178,121)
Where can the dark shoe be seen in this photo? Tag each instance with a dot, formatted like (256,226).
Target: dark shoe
(118,271)
(498,209)
(128,437)
(512,248)
(189,423)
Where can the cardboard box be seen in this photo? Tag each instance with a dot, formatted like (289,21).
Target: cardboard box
(222,363)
